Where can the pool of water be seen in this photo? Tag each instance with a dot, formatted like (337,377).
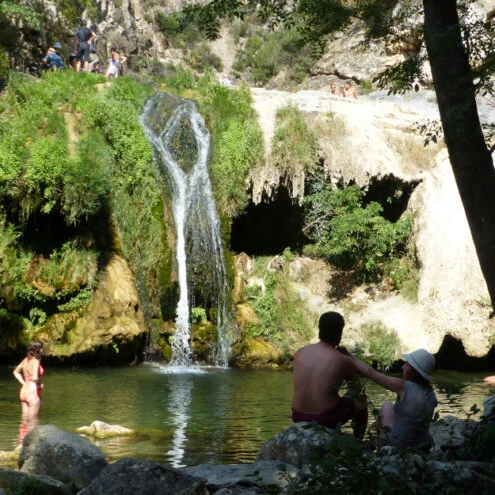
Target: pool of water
(192,416)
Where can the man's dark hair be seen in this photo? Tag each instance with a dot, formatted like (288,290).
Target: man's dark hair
(331,325)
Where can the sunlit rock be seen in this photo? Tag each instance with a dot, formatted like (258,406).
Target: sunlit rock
(99,429)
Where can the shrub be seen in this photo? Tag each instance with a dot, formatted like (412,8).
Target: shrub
(351,235)
(383,344)
(237,144)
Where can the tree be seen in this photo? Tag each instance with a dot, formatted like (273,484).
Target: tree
(447,47)
(469,156)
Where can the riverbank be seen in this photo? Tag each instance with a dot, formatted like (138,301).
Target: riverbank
(302,459)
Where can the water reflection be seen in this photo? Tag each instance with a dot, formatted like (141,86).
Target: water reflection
(186,417)
(179,398)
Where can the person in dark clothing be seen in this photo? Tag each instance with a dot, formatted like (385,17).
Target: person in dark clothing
(83,37)
(53,60)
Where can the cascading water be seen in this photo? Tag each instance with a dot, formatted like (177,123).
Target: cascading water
(199,251)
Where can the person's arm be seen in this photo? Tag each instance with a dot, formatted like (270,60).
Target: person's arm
(122,59)
(92,37)
(391,383)
(18,373)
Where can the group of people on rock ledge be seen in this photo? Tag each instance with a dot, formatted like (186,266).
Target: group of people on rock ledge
(80,58)
(319,370)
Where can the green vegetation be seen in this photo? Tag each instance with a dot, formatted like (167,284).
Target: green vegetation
(237,143)
(76,161)
(281,315)
(382,345)
(294,146)
(184,29)
(266,53)
(353,235)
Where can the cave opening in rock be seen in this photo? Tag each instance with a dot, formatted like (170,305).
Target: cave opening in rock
(269,227)
(45,232)
(452,356)
(392,193)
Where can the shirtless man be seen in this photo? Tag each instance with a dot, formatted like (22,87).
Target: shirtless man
(349,91)
(333,89)
(319,370)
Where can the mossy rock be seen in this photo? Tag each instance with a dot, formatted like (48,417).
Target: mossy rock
(256,353)
(204,337)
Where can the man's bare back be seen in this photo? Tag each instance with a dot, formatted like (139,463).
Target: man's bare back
(319,370)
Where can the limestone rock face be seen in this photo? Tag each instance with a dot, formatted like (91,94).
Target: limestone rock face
(346,57)
(130,476)
(452,295)
(62,455)
(113,317)
(368,141)
(16,482)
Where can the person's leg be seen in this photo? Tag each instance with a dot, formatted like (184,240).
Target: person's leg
(34,409)
(360,420)
(385,420)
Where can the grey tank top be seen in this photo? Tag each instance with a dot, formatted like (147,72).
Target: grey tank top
(413,417)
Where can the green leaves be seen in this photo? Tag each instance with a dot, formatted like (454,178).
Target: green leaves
(351,235)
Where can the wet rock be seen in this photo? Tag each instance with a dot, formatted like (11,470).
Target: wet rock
(63,455)
(15,482)
(243,478)
(130,476)
(99,429)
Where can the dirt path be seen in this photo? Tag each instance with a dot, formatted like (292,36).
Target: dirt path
(225,48)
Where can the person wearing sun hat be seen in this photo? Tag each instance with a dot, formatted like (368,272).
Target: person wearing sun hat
(407,422)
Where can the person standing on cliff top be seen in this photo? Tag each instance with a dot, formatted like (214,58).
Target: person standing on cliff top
(319,370)
(83,37)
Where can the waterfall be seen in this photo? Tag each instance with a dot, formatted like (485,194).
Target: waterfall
(182,149)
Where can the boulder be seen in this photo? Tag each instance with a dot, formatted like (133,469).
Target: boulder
(298,444)
(15,482)
(451,433)
(63,455)
(243,478)
(130,476)
(99,429)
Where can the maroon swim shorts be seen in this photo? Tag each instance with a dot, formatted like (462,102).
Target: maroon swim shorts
(340,415)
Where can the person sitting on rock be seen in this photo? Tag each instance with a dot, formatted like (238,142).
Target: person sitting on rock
(318,372)
(349,90)
(334,90)
(406,423)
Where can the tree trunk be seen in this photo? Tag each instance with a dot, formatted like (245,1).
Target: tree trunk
(470,159)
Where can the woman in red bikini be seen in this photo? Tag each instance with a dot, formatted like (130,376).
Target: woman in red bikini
(28,373)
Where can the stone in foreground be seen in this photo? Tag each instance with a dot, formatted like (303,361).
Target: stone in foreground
(131,476)
(298,444)
(241,478)
(63,455)
(15,482)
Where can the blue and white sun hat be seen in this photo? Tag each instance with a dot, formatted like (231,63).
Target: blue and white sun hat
(422,361)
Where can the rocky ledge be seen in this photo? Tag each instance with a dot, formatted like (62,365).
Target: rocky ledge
(304,459)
